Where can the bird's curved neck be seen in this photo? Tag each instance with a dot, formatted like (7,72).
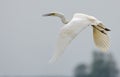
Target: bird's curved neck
(63,19)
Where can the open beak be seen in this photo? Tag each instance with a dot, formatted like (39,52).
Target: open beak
(49,14)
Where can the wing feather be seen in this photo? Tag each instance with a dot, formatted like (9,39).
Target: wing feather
(101,39)
(67,34)
(65,37)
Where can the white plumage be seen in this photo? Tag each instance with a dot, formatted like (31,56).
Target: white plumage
(73,27)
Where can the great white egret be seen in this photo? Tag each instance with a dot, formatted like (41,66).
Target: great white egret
(73,27)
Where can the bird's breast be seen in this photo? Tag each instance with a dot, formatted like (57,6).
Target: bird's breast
(79,24)
(74,27)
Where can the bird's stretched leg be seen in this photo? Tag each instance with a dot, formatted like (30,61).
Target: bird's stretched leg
(102,31)
(106,29)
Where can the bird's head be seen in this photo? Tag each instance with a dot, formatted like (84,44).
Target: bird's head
(54,14)
(50,14)
(60,15)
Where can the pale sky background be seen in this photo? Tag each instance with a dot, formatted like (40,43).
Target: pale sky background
(27,39)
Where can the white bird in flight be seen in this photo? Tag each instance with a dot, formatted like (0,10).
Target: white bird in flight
(73,27)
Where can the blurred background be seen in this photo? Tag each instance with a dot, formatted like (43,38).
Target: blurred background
(27,39)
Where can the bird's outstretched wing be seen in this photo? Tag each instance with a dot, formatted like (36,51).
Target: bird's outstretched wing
(67,34)
(63,41)
(101,37)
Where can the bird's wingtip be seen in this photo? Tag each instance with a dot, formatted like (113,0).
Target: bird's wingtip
(52,60)
(104,49)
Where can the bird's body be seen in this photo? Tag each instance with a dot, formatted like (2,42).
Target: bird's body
(73,27)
